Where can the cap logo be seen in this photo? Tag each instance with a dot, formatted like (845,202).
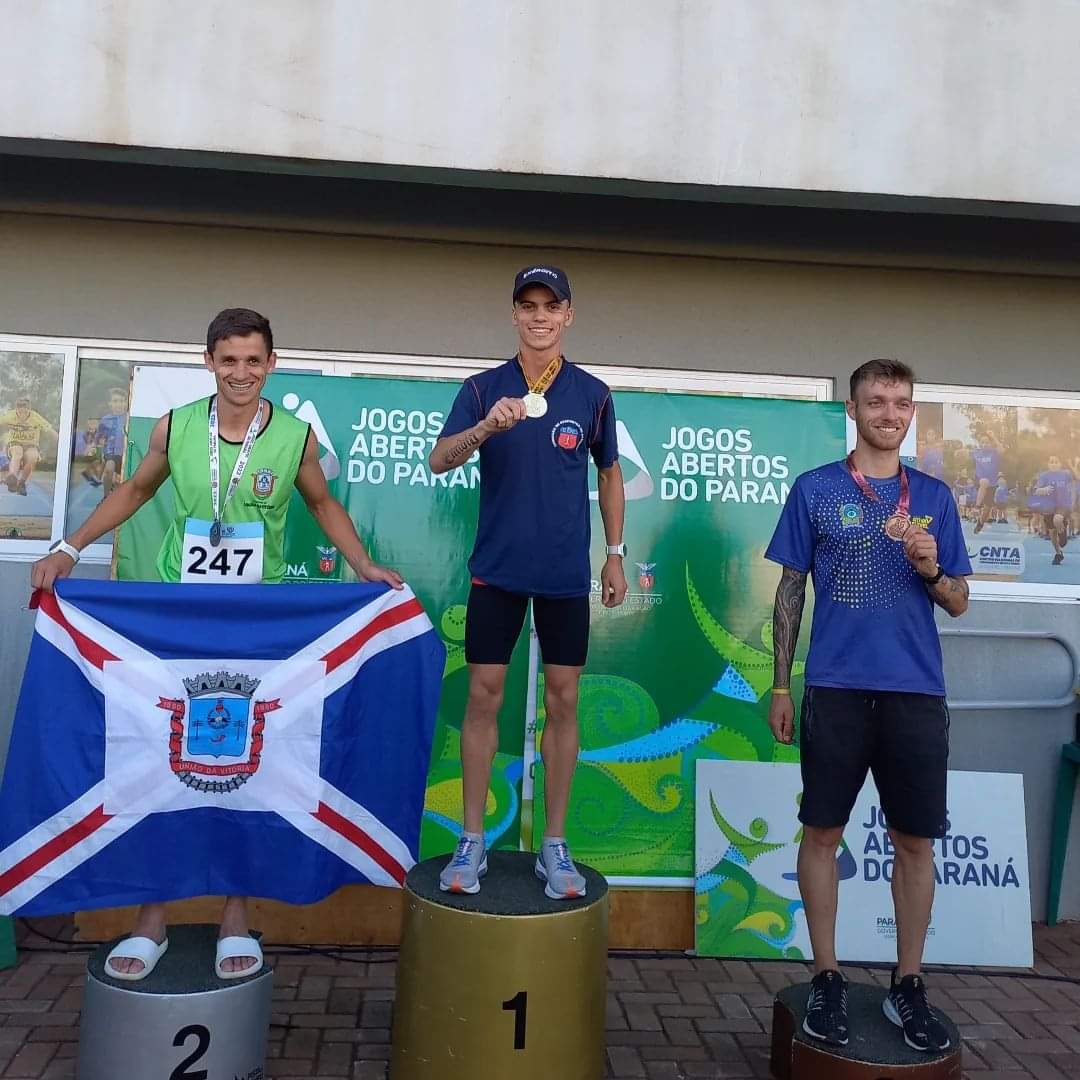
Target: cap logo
(540,270)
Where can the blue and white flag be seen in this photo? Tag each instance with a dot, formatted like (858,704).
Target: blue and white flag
(185,740)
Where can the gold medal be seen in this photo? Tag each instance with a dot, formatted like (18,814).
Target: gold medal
(896,526)
(535,405)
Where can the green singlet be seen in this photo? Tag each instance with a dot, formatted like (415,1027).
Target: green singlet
(262,497)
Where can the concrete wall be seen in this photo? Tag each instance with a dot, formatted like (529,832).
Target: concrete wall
(965,100)
(81,277)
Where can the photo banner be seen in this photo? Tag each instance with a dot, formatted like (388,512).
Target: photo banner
(679,673)
(747,899)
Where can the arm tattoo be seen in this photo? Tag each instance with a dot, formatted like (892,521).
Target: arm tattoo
(462,449)
(951,593)
(787,614)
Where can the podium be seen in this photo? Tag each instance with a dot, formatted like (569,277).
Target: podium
(504,983)
(875,1051)
(180,1021)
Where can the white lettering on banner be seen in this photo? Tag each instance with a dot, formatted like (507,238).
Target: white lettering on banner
(719,465)
(404,438)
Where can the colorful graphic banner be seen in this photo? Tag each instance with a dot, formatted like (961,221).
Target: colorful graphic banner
(746,890)
(681,670)
(678,673)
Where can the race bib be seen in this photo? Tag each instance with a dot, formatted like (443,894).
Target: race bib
(237,560)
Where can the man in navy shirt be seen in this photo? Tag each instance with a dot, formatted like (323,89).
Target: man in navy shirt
(536,420)
(884,545)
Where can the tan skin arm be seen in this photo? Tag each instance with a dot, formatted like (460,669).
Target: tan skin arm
(334,520)
(121,504)
(454,450)
(950,593)
(612,500)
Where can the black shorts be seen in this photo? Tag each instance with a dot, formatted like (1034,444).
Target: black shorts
(494,619)
(903,739)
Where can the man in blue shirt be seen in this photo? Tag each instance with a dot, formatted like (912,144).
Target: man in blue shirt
(113,429)
(987,459)
(1054,486)
(884,545)
(535,420)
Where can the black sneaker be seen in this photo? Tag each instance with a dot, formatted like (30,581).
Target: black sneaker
(826,1009)
(1058,559)
(907,1007)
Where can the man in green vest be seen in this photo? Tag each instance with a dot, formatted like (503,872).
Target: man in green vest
(234,461)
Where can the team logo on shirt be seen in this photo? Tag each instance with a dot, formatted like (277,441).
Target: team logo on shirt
(851,515)
(567,435)
(262,482)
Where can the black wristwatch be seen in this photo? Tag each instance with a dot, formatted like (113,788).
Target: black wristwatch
(929,582)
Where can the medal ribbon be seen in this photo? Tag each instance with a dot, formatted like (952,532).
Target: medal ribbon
(863,485)
(241,459)
(545,380)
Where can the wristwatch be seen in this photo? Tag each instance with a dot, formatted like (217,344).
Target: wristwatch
(617,549)
(66,548)
(936,578)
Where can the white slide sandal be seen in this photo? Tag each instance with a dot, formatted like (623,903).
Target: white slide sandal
(229,948)
(135,948)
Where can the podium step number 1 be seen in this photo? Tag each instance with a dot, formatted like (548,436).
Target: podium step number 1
(506,983)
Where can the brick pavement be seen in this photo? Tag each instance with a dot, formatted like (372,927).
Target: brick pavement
(669,1018)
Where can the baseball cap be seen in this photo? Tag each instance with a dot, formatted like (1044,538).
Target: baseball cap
(550,276)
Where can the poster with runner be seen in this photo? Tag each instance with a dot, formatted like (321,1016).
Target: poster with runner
(31,385)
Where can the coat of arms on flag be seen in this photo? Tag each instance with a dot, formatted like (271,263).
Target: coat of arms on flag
(216,721)
(267,741)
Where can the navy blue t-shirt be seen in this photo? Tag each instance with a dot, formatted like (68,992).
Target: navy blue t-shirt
(873,626)
(533,533)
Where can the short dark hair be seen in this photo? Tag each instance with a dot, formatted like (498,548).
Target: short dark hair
(884,369)
(238,322)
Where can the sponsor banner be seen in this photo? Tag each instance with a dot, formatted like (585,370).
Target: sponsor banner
(746,889)
(681,671)
(374,436)
(677,673)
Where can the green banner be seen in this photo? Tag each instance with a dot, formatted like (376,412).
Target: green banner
(680,671)
(374,436)
(676,674)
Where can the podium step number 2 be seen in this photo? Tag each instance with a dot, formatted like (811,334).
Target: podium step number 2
(179,1023)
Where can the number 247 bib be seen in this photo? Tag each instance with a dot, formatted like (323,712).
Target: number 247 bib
(237,560)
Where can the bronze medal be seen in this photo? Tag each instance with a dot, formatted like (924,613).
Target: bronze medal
(896,526)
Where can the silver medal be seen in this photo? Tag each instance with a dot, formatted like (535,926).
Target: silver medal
(215,533)
(535,405)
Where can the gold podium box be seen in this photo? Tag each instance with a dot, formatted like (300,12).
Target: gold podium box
(506,983)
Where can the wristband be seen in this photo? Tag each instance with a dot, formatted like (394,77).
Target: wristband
(62,545)
(783,691)
(930,582)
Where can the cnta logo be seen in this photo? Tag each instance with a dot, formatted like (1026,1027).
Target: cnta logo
(996,553)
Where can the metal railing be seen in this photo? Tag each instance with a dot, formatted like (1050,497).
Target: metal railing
(974,704)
